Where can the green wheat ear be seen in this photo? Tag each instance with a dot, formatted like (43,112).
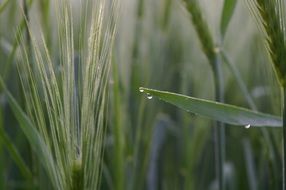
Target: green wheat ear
(66,99)
(201,28)
(270,16)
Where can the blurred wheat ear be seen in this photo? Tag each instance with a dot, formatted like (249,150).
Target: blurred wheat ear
(66,99)
(202,29)
(270,17)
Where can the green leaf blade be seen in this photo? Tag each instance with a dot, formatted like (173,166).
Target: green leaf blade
(228,10)
(225,113)
(36,141)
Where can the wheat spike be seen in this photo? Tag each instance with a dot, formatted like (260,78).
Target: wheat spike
(270,17)
(201,28)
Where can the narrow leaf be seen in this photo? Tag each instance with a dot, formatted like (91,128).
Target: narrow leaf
(228,10)
(225,113)
(38,145)
(15,155)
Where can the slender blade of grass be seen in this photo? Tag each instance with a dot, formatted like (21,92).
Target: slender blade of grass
(239,80)
(249,160)
(38,145)
(228,10)
(225,113)
(21,27)
(118,131)
(2,160)
(15,155)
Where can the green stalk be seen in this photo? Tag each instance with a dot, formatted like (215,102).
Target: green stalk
(284,137)
(2,157)
(136,66)
(138,138)
(166,15)
(118,131)
(209,48)
(219,130)
(136,106)
(77,175)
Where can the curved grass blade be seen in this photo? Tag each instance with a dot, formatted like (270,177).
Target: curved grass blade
(15,155)
(225,113)
(30,131)
(237,76)
(20,29)
(228,10)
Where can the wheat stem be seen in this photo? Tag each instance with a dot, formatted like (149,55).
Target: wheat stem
(284,139)
(219,128)
(212,53)
(118,131)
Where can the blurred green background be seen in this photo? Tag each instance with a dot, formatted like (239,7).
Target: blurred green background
(150,144)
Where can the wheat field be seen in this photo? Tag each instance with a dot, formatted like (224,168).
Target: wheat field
(142,94)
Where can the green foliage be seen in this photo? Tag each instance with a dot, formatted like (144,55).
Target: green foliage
(70,121)
(228,10)
(36,141)
(225,113)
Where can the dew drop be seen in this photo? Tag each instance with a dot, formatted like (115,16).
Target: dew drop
(247,126)
(149,96)
(141,89)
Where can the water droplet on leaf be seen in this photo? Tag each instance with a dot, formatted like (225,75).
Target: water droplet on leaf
(141,89)
(149,96)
